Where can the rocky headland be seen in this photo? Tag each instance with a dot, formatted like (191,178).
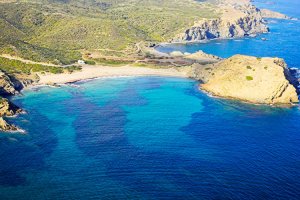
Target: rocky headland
(249,79)
(237,19)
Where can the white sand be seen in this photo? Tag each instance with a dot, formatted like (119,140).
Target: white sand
(96,71)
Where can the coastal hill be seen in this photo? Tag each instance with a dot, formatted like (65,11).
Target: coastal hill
(250,79)
(61,31)
(234,21)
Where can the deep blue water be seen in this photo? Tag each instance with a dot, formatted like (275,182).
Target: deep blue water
(283,40)
(155,138)
(148,138)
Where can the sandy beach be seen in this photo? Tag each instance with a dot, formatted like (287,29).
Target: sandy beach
(97,71)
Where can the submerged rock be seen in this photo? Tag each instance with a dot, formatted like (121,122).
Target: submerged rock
(250,79)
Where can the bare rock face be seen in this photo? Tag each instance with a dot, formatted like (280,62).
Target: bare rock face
(250,79)
(7,109)
(4,126)
(235,21)
(7,87)
(11,85)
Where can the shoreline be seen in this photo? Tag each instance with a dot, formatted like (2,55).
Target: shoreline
(163,44)
(98,71)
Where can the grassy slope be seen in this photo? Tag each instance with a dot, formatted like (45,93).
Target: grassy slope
(12,67)
(57,30)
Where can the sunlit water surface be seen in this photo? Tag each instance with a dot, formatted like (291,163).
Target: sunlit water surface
(155,137)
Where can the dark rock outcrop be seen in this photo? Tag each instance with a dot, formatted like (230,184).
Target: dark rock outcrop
(7,109)
(7,87)
(239,21)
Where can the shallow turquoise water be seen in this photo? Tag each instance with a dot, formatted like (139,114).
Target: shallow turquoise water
(155,137)
(148,138)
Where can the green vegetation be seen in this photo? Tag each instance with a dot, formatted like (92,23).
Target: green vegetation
(111,62)
(258,58)
(72,68)
(90,62)
(266,67)
(57,31)
(249,78)
(248,67)
(15,66)
(152,65)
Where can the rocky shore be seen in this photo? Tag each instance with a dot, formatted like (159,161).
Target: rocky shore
(11,85)
(237,19)
(7,109)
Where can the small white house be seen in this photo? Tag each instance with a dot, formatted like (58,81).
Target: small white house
(81,62)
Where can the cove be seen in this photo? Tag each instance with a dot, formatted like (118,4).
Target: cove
(148,138)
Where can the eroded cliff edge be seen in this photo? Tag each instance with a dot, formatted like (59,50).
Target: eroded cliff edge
(249,79)
(11,85)
(7,109)
(237,19)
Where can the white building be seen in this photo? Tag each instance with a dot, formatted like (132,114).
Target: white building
(81,62)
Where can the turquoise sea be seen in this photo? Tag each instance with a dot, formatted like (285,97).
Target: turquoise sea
(155,138)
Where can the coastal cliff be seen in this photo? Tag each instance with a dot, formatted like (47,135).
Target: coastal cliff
(250,79)
(11,85)
(7,87)
(7,109)
(235,21)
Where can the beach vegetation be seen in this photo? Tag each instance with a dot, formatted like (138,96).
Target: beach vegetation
(249,78)
(112,62)
(90,62)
